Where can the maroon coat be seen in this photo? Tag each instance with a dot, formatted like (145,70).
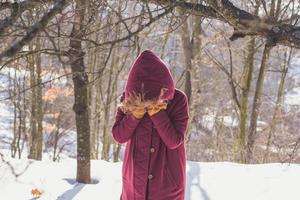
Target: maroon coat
(154,165)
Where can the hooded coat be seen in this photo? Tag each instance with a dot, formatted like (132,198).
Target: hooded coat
(154,164)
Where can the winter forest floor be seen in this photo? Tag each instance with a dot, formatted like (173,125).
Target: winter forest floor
(205,181)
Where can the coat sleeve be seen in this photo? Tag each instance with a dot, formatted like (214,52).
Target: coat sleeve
(124,125)
(172,131)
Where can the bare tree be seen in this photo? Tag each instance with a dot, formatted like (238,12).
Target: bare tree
(80,80)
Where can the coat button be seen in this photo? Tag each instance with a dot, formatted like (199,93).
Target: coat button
(152,150)
(150,176)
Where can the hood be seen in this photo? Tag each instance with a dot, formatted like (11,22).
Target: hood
(149,74)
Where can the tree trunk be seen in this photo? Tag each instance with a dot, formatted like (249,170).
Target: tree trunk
(33,129)
(187,47)
(97,115)
(240,143)
(39,101)
(116,146)
(92,101)
(15,145)
(107,106)
(36,146)
(191,45)
(23,122)
(21,118)
(256,103)
(80,80)
(278,102)
(56,137)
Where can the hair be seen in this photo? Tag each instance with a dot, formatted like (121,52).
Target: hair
(137,100)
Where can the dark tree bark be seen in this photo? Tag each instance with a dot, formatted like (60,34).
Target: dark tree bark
(278,104)
(187,47)
(80,80)
(257,103)
(39,100)
(16,101)
(240,143)
(36,144)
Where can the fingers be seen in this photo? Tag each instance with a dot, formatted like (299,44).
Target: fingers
(162,92)
(136,104)
(156,107)
(135,98)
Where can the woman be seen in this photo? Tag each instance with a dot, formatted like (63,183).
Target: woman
(152,120)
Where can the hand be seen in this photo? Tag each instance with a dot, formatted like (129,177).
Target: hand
(156,107)
(158,104)
(134,104)
(139,112)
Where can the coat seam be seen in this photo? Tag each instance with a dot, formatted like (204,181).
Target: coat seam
(149,162)
(134,161)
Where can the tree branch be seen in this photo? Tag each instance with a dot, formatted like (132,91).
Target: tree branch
(34,30)
(138,30)
(243,22)
(17,8)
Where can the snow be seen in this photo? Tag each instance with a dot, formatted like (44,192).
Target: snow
(57,180)
(205,181)
(210,120)
(293,97)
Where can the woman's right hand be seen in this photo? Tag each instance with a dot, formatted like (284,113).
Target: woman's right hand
(134,104)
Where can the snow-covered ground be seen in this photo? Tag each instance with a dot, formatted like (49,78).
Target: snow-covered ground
(205,181)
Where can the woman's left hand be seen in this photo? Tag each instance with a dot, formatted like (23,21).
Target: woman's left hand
(155,108)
